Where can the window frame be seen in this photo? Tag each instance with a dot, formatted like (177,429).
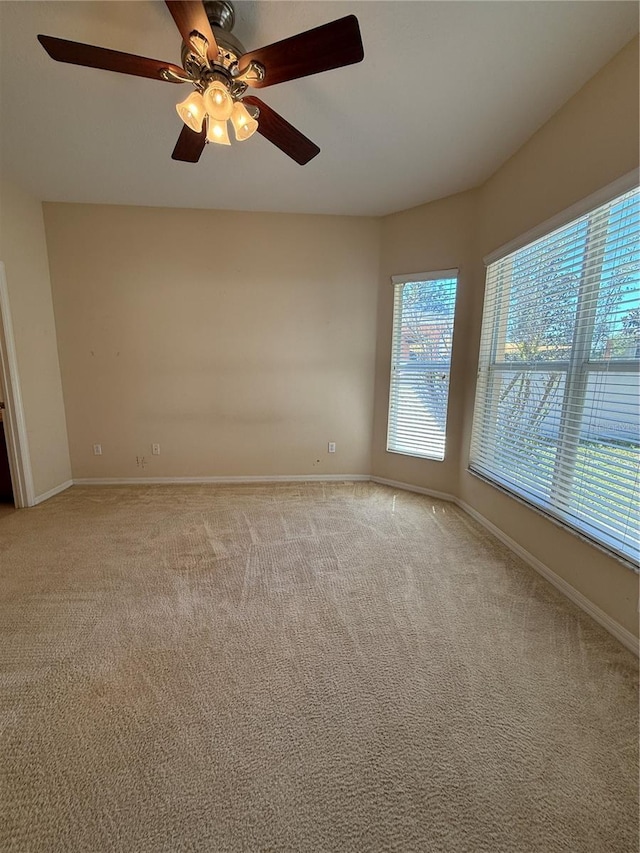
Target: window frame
(576,370)
(398,282)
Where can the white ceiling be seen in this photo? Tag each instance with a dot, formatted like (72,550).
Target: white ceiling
(446,93)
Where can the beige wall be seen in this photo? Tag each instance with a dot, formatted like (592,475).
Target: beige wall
(241,343)
(589,143)
(24,253)
(436,236)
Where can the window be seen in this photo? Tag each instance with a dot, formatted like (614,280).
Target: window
(556,417)
(423,310)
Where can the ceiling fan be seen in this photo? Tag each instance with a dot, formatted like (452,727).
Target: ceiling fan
(220,70)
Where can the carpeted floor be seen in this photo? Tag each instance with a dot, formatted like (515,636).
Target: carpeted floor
(306,667)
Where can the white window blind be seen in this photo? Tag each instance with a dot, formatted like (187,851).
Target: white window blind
(557,419)
(423,313)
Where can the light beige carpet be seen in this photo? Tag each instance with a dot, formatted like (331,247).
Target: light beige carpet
(299,668)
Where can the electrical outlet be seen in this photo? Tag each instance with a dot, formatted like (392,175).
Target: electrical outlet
(155,449)
(332,447)
(97,450)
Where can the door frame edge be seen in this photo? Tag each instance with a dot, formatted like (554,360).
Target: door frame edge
(13,418)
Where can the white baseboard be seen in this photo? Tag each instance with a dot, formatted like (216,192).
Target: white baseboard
(618,631)
(55,491)
(178,481)
(406,487)
(624,636)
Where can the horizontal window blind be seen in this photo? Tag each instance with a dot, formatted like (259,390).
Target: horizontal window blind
(557,413)
(423,314)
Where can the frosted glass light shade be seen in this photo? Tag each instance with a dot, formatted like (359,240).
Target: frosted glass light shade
(243,124)
(217,100)
(217,131)
(192,111)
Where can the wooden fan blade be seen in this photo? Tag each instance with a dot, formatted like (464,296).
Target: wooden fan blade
(321,49)
(189,15)
(77,53)
(283,135)
(190,145)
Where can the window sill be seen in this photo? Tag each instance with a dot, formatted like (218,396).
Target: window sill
(414,455)
(627,562)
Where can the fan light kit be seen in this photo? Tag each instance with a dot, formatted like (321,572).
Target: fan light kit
(216,105)
(220,71)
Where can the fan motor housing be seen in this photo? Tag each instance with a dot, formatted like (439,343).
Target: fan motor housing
(222,17)
(220,13)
